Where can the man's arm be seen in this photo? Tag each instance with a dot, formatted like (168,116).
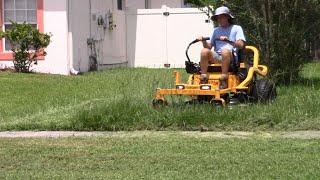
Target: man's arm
(240,38)
(205,43)
(239,44)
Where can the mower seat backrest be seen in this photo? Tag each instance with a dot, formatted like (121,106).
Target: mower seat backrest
(242,55)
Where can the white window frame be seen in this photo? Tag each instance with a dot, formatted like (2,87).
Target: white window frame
(6,23)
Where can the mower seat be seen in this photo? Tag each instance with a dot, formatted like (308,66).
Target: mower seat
(217,67)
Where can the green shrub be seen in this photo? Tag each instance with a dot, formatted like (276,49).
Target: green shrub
(27,44)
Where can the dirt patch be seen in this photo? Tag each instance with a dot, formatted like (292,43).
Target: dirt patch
(231,134)
(44,134)
(195,134)
(301,134)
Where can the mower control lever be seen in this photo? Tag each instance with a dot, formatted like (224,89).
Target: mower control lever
(227,41)
(203,39)
(195,41)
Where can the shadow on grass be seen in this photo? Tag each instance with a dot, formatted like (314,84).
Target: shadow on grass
(300,81)
(313,82)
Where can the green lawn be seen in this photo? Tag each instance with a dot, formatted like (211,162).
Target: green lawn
(120,99)
(168,156)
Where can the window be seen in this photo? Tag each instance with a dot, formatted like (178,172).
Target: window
(19,11)
(186,5)
(29,11)
(120,4)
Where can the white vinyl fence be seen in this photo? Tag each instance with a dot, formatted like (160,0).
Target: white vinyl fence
(159,37)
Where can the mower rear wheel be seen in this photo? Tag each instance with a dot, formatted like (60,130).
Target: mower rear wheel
(264,91)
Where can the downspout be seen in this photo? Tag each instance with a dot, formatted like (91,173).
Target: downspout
(90,16)
(126,34)
(72,71)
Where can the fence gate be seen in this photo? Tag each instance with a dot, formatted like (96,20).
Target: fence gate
(158,37)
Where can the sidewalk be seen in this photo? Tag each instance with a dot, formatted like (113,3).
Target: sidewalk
(130,134)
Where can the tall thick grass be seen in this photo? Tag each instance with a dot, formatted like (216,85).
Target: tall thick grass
(120,99)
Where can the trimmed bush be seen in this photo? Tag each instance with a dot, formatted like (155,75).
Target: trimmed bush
(27,44)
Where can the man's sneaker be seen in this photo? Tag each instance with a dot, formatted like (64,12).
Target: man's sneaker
(223,81)
(204,78)
(223,84)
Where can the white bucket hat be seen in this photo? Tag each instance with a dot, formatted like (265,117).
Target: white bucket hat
(222,10)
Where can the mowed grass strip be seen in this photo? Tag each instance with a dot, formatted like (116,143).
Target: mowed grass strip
(120,99)
(159,157)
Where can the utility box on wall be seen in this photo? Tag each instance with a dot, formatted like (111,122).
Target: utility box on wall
(158,38)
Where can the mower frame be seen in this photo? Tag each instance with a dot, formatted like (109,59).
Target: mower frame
(194,88)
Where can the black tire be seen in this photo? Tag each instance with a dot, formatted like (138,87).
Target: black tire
(264,91)
(159,103)
(216,104)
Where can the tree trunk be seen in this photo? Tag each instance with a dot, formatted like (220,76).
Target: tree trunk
(266,32)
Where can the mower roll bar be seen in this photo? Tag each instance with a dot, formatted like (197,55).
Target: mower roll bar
(256,68)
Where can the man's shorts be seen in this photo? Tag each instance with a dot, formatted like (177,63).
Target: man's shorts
(218,57)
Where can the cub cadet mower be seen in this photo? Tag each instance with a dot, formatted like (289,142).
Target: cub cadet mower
(243,84)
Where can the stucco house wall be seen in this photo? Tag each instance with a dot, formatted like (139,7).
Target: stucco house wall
(80,41)
(51,17)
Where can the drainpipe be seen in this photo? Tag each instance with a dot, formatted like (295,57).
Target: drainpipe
(90,18)
(71,69)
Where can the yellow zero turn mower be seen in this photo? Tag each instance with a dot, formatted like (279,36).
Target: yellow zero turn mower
(244,86)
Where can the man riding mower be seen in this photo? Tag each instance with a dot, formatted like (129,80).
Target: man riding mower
(224,75)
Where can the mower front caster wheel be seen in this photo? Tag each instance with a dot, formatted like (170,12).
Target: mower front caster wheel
(159,103)
(216,104)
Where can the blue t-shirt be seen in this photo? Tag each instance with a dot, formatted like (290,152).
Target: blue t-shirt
(233,32)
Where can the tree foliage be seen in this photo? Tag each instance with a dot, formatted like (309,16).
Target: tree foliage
(27,45)
(286,31)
